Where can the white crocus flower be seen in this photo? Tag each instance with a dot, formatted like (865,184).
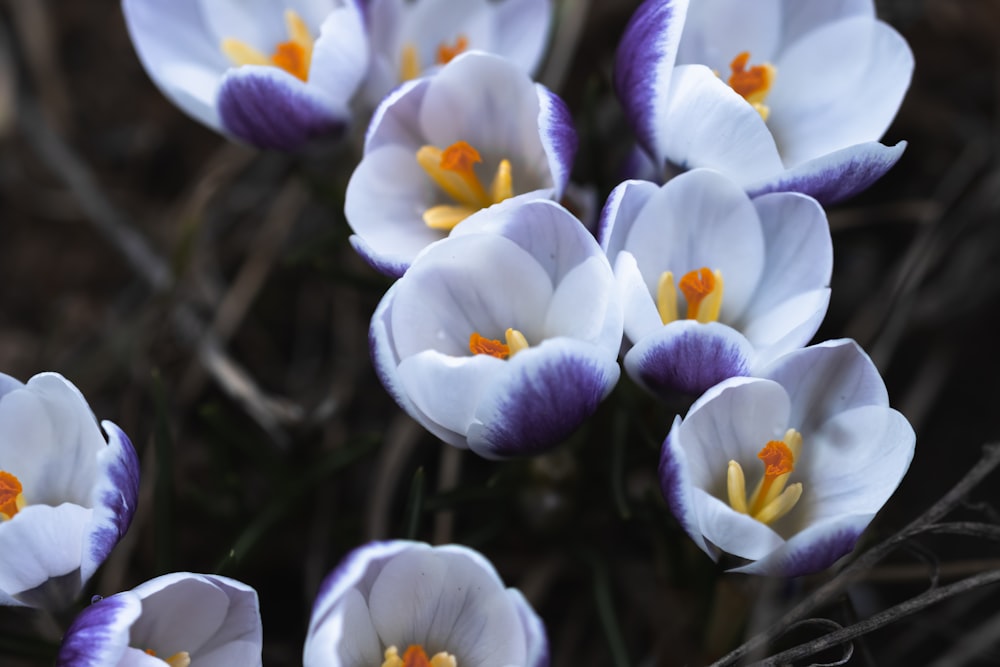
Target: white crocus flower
(176,620)
(714,284)
(780,95)
(440,148)
(504,337)
(410,39)
(785,471)
(407,604)
(273,73)
(67,495)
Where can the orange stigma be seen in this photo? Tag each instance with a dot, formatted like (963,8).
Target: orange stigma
(446,53)
(778,460)
(460,157)
(453,170)
(416,656)
(752,84)
(292,57)
(696,286)
(480,345)
(11,500)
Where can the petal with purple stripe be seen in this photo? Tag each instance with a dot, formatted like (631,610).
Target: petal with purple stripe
(99,635)
(555,126)
(816,548)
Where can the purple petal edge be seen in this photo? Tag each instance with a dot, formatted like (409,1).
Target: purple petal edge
(534,630)
(838,175)
(116,502)
(555,124)
(99,635)
(269,108)
(386,267)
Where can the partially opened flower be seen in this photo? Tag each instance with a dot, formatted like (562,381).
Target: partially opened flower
(273,74)
(67,495)
(411,39)
(443,147)
(407,604)
(714,285)
(178,620)
(780,95)
(504,337)
(785,471)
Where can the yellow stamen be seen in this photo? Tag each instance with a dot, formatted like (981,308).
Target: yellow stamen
(781,505)
(736,485)
(515,341)
(409,63)
(416,656)
(754,83)
(293,56)
(703,291)
(11,496)
(453,169)
(481,345)
(666,298)
(182,659)
(779,463)
(446,53)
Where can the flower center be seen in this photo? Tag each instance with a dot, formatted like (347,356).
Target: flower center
(416,656)
(410,67)
(493,347)
(11,496)
(453,169)
(182,659)
(754,83)
(773,498)
(293,56)
(702,289)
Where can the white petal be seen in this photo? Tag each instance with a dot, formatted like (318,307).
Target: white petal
(712,126)
(800,18)
(737,534)
(261,23)
(522,30)
(678,488)
(789,325)
(346,638)
(866,68)
(340,54)
(429,24)
(620,212)
(716,31)
(41,543)
(813,549)
(179,613)
(585,306)
(641,315)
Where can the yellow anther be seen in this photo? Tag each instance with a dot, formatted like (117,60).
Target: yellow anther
(736,485)
(409,63)
(752,84)
(182,659)
(703,290)
(293,56)
(781,505)
(515,341)
(453,169)
(491,346)
(416,656)
(11,496)
(446,52)
(666,298)
(793,440)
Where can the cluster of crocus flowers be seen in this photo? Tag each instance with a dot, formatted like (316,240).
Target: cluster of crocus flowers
(67,494)
(281,74)
(504,337)
(779,95)
(407,604)
(441,148)
(785,470)
(714,284)
(175,620)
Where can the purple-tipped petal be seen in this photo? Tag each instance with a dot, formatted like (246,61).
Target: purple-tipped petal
(816,548)
(537,642)
(555,126)
(675,484)
(688,357)
(269,108)
(115,499)
(99,635)
(835,176)
(390,267)
(644,66)
(550,390)
(620,212)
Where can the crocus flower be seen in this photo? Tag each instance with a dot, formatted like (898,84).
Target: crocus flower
(714,285)
(443,147)
(404,604)
(67,495)
(179,619)
(273,74)
(504,337)
(411,39)
(786,470)
(780,95)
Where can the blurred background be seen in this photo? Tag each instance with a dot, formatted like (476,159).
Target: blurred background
(204,297)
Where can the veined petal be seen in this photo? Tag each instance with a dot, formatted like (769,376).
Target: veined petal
(687,357)
(644,66)
(269,108)
(620,212)
(180,613)
(549,391)
(42,543)
(396,120)
(115,497)
(815,548)
(346,638)
(707,124)
(178,52)
(537,643)
(853,102)
(99,635)
(834,176)
(826,379)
